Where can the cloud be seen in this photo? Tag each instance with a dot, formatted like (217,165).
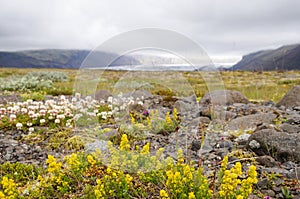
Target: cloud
(223,28)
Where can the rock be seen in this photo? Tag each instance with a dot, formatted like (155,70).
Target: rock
(225,144)
(267,161)
(188,104)
(295,174)
(203,120)
(102,95)
(242,139)
(229,115)
(96,145)
(250,121)
(196,145)
(293,119)
(108,134)
(289,128)
(280,145)
(270,193)
(263,183)
(291,99)
(141,94)
(223,97)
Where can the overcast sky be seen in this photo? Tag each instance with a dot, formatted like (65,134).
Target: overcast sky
(226,29)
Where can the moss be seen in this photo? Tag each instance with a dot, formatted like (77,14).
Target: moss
(58,139)
(19,172)
(74,143)
(36,96)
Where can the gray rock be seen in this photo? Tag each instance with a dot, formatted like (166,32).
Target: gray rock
(270,193)
(267,161)
(138,94)
(289,128)
(293,119)
(242,139)
(96,145)
(102,95)
(297,108)
(291,99)
(223,97)
(295,174)
(108,135)
(250,121)
(280,145)
(204,120)
(186,105)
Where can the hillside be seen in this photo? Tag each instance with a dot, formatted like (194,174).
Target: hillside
(283,58)
(54,58)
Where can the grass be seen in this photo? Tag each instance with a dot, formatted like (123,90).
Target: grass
(270,85)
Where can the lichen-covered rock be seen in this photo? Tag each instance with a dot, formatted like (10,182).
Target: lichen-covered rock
(250,121)
(223,97)
(280,145)
(291,99)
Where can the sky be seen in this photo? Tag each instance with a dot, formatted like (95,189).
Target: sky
(226,29)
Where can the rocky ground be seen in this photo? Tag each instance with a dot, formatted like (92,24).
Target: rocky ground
(263,133)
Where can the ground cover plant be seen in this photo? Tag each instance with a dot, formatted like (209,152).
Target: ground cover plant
(128,167)
(267,85)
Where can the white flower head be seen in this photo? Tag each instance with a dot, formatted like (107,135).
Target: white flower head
(110,99)
(19,125)
(12,117)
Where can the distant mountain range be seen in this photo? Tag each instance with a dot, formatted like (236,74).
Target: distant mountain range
(283,58)
(54,58)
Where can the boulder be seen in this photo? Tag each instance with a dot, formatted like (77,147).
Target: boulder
(291,99)
(141,94)
(102,95)
(289,128)
(96,145)
(250,121)
(223,97)
(280,145)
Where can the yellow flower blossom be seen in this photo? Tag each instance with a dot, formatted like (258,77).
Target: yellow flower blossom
(146,149)
(192,195)
(168,119)
(175,114)
(124,145)
(163,194)
(9,188)
(53,166)
(91,159)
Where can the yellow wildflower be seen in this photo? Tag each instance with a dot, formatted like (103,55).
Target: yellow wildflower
(175,114)
(124,145)
(91,159)
(163,194)
(2,196)
(192,195)
(53,166)
(128,178)
(168,119)
(146,149)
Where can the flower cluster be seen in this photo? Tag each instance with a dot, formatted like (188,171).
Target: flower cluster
(184,181)
(129,172)
(9,188)
(231,184)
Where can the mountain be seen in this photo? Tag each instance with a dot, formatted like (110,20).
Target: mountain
(56,58)
(283,58)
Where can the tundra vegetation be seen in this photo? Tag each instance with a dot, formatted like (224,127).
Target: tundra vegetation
(131,170)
